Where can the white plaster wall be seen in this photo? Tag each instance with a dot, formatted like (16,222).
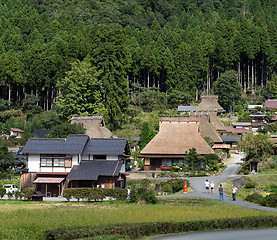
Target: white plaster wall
(75,160)
(34,162)
(112,157)
(85,157)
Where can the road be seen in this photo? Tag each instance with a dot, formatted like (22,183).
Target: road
(255,234)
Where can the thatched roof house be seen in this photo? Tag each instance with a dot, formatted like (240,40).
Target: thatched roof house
(94,125)
(209,103)
(176,136)
(209,122)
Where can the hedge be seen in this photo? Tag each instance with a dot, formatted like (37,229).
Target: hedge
(138,230)
(95,194)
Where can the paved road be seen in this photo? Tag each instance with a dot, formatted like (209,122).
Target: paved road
(233,166)
(256,234)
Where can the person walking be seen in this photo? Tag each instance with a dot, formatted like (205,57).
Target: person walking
(207,185)
(234,190)
(221,191)
(212,187)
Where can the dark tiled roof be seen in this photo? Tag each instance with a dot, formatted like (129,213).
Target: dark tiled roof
(107,146)
(230,138)
(74,143)
(91,170)
(41,133)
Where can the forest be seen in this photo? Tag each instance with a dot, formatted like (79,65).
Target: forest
(103,57)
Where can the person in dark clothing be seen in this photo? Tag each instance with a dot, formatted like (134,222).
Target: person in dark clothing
(221,191)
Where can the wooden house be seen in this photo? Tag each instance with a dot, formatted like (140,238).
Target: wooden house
(172,143)
(54,162)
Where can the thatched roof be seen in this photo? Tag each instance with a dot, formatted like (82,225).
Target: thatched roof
(176,136)
(209,103)
(94,125)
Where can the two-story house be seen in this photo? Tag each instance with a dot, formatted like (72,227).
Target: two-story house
(76,161)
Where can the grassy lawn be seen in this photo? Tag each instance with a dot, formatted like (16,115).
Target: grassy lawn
(261,180)
(23,220)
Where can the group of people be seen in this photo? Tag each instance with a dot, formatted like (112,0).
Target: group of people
(209,186)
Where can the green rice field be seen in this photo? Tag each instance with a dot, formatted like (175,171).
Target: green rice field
(28,220)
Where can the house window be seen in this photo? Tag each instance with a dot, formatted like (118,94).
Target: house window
(167,162)
(99,157)
(57,160)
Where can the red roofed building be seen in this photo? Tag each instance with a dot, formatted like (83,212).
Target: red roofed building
(16,132)
(270,103)
(230,129)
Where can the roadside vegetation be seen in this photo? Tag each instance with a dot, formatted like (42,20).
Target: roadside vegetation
(260,188)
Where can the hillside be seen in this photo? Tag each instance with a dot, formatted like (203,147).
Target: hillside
(98,56)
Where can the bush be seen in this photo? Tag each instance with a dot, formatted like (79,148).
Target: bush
(271,200)
(28,192)
(138,230)
(120,193)
(149,197)
(255,197)
(249,184)
(167,188)
(67,193)
(134,196)
(17,195)
(10,195)
(2,192)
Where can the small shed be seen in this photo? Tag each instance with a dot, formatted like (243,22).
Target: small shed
(253,165)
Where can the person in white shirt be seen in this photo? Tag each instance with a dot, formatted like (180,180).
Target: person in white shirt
(207,185)
(212,187)
(234,190)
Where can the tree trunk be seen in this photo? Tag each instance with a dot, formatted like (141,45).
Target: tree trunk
(148,79)
(10,92)
(252,75)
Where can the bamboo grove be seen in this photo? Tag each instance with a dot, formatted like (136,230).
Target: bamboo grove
(167,45)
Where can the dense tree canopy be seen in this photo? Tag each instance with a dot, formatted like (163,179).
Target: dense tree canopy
(168,46)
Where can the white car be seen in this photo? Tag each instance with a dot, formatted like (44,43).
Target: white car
(10,188)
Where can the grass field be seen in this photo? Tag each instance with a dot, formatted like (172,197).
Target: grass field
(26,220)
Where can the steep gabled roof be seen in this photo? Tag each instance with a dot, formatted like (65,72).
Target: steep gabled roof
(94,125)
(176,136)
(91,170)
(109,146)
(209,103)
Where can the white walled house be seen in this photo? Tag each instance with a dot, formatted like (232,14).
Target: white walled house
(55,163)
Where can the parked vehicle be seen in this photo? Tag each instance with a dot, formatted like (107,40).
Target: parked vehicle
(10,188)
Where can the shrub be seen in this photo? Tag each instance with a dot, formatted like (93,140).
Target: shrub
(120,193)
(149,197)
(167,188)
(134,196)
(67,193)
(138,230)
(271,200)
(249,184)
(10,195)
(255,197)
(2,192)
(28,192)
(17,195)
